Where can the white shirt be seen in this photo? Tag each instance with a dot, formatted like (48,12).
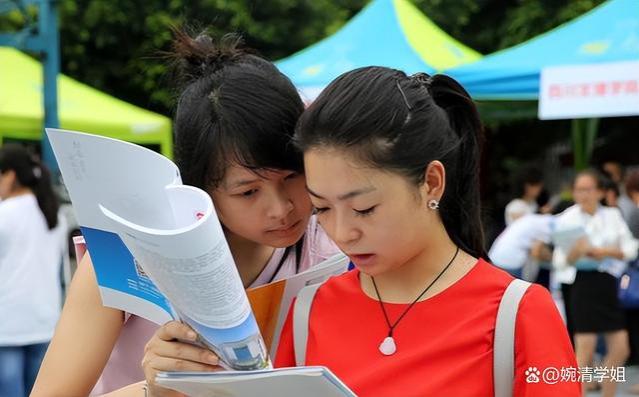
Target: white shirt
(30,258)
(605,228)
(518,208)
(510,249)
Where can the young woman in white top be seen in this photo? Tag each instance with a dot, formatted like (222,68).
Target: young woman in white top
(529,187)
(31,247)
(592,265)
(233,125)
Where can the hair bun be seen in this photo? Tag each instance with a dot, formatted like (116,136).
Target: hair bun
(203,55)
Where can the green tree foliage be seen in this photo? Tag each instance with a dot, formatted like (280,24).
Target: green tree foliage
(115,44)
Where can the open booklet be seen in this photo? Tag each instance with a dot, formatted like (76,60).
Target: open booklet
(271,302)
(284,382)
(152,238)
(565,238)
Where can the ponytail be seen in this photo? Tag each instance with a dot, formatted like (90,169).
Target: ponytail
(32,174)
(460,209)
(47,200)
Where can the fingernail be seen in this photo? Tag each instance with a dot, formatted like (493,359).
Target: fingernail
(191,335)
(212,358)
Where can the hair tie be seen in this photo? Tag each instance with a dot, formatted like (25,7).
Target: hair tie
(423,78)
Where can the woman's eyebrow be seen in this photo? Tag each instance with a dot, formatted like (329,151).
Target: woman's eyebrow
(241,182)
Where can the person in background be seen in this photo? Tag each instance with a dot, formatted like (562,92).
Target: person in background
(592,264)
(612,194)
(632,191)
(529,185)
(616,171)
(32,242)
(522,245)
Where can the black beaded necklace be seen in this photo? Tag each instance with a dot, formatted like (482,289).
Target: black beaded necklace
(388,346)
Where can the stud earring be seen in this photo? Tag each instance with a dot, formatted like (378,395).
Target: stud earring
(433,204)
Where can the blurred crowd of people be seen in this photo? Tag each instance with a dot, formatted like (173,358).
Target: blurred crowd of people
(580,244)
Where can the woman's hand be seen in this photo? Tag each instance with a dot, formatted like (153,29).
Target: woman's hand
(603,252)
(540,251)
(169,350)
(597,253)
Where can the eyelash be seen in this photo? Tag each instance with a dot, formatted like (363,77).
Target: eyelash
(366,212)
(363,213)
(248,193)
(292,175)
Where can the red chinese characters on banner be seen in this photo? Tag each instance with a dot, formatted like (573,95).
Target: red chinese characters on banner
(594,89)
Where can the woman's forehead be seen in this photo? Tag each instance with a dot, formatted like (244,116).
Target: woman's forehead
(585,179)
(237,175)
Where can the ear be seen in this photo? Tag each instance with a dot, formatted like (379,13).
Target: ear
(11,177)
(434,181)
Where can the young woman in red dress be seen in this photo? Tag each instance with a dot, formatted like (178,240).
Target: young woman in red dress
(392,166)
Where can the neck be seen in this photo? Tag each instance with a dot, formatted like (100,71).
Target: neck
(21,191)
(405,282)
(589,210)
(250,257)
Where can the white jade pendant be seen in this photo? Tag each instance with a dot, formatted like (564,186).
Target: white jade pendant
(387,347)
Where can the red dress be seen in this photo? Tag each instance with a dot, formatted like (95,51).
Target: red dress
(444,343)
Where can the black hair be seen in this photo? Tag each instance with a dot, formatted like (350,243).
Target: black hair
(622,168)
(234,108)
(401,124)
(562,206)
(543,198)
(529,175)
(609,185)
(32,174)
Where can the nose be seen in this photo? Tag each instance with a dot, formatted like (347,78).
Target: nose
(342,231)
(280,204)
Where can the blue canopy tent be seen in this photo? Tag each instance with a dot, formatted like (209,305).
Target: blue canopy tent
(607,33)
(506,83)
(391,33)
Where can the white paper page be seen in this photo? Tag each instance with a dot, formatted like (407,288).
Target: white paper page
(285,382)
(101,170)
(191,264)
(97,169)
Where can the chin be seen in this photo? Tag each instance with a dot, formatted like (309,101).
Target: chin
(282,242)
(372,271)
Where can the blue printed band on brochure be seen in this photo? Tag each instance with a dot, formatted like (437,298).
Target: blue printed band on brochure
(116,268)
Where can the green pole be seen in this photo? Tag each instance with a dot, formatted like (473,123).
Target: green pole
(592,126)
(577,145)
(584,132)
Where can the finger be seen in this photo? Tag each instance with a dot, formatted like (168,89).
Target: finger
(184,351)
(170,364)
(176,330)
